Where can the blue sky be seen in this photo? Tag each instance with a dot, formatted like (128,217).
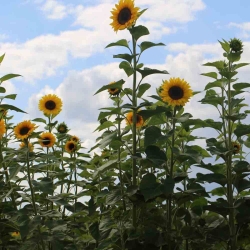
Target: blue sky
(58,47)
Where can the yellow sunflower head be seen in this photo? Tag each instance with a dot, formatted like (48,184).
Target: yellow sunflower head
(139,119)
(175,91)
(30,146)
(236,147)
(74,138)
(124,15)
(71,146)
(47,139)
(114,91)
(24,129)
(62,128)
(50,105)
(2,128)
(15,234)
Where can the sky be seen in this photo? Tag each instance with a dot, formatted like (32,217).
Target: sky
(58,46)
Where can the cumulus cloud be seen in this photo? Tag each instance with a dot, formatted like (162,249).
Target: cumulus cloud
(244,28)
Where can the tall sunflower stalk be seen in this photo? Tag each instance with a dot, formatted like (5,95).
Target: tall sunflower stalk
(175,92)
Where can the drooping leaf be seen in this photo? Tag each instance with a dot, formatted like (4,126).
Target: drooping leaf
(147,71)
(122,42)
(152,134)
(8,77)
(146,45)
(242,129)
(149,187)
(116,85)
(142,89)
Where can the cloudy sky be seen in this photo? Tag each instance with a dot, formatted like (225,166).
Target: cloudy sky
(58,47)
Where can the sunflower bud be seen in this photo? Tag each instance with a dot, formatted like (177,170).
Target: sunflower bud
(62,128)
(236,45)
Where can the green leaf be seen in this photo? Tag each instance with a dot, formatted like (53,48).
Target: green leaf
(155,154)
(211,74)
(210,178)
(7,77)
(113,197)
(108,165)
(121,42)
(142,89)
(152,134)
(126,57)
(12,96)
(126,67)
(217,64)
(217,83)
(146,45)
(239,65)
(242,129)
(225,45)
(149,187)
(39,120)
(139,31)
(228,75)
(241,85)
(147,71)
(220,191)
(105,125)
(116,85)
(94,231)
(213,100)
(241,166)
(11,107)
(168,186)
(241,184)
(1,58)
(234,56)
(2,90)
(45,185)
(151,112)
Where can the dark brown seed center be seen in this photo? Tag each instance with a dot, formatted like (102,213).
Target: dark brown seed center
(71,146)
(50,105)
(176,92)
(124,16)
(138,118)
(46,141)
(24,131)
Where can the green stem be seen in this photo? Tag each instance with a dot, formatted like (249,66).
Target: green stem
(229,172)
(75,172)
(119,157)
(169,226)
(2,165)
(134,132)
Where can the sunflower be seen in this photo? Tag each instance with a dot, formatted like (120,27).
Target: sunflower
(70,146)
(47,139)
(15,234)
(74,138)
(236,147)
(175,91)
(114,91)
(2,128)
(139,119)
(30,146)
(24,129)
(62,128)
(50,105)
(124,15)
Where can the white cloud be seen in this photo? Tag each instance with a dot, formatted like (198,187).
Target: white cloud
(244,28)
(54,9)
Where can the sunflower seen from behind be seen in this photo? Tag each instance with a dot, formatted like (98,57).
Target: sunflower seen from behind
(114,91)
(175,91)
(139,119)
(71,146)
(74,138)
(47,139)
(124,15)
(24,129)
(2,128)
(50,105)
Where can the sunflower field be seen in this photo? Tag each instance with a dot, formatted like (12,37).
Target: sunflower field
(133,189)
